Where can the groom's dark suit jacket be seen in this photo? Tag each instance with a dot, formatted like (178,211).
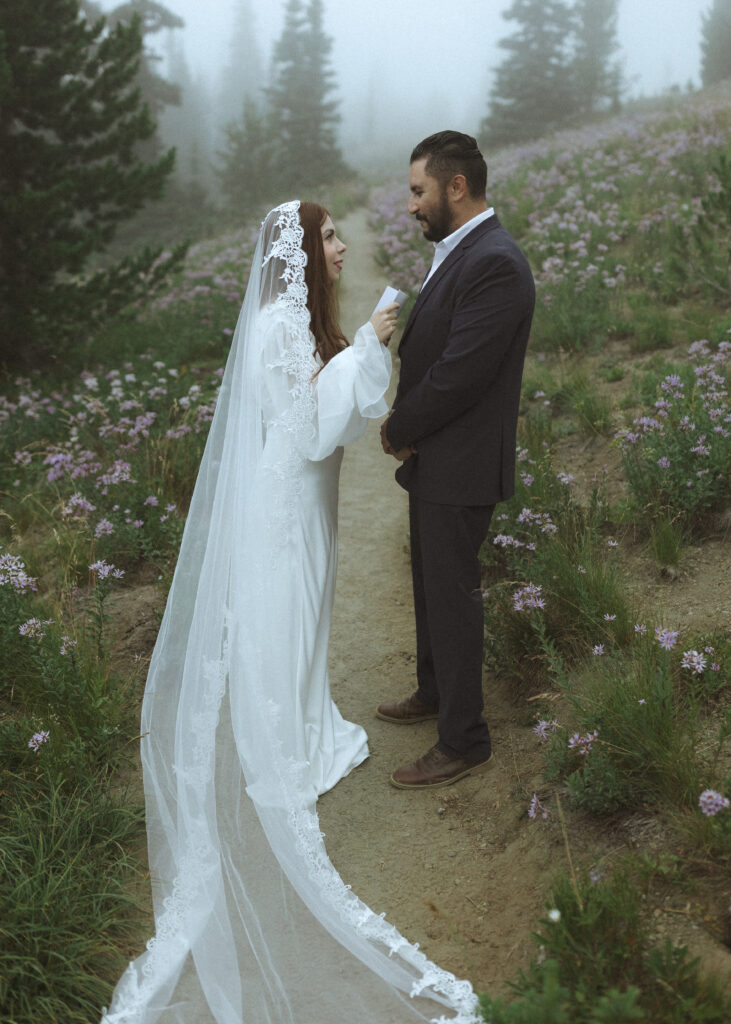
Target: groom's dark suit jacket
(462,355)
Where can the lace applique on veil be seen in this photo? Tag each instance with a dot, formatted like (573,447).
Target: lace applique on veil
(285,319)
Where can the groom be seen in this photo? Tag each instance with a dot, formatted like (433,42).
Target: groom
(453,427)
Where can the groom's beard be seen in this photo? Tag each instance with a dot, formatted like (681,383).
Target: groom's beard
(438,224)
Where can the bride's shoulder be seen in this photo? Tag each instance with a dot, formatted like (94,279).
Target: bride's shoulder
(278,315)
(284,334)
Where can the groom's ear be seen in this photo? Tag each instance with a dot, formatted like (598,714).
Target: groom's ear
(457,188)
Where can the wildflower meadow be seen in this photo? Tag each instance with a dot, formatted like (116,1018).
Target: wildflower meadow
(598,617)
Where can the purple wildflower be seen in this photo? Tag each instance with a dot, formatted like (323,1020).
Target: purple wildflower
(711,802)
(528,597)
(104,570)
(38,739)
(67,644)
(536,808)
(542,728)
(694,661)
(666,637)
(103,528)
(12,572)
(34,627)
(78,506)
(582,744)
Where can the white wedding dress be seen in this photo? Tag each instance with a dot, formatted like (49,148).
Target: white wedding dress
(253,925)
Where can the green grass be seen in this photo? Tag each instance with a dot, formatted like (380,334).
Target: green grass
(666,540)
(67,904)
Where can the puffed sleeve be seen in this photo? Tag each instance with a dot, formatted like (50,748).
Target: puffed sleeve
(350,391)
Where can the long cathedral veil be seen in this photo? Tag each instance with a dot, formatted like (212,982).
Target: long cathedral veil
(253,925)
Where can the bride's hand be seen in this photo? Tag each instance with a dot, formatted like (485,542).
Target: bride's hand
(384,322)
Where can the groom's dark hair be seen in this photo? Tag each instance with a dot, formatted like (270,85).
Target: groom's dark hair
(449,153)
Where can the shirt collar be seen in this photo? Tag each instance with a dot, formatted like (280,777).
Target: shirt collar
(452,241)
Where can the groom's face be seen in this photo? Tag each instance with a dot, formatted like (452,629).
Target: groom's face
(429,203)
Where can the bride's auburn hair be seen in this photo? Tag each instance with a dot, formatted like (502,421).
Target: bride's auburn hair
(321,298)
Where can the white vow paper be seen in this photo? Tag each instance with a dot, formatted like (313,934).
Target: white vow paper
(390,295)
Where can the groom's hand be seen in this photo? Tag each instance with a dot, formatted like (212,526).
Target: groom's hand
(384,439)
(403,454)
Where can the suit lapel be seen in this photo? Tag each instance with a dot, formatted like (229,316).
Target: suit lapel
(454,256)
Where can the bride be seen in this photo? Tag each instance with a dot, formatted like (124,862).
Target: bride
(253,925)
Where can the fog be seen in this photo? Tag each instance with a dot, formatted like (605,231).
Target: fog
(405,68)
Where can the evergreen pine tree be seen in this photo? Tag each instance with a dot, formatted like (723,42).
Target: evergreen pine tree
(597,79)
(533,92)
(243,75)
(157,92)
(188,127)
(716,43)
(248,163)
(70,124)
(286,91)
(323,159)
(303,118)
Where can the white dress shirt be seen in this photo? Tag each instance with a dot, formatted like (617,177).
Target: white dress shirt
(442,249)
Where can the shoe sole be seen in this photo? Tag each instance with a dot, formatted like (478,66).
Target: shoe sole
(477,769)
(412,720)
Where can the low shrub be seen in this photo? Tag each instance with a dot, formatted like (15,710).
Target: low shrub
(558,591)
(597,966)
(635,717)
(677,459)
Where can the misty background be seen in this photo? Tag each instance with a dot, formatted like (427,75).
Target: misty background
(405,68)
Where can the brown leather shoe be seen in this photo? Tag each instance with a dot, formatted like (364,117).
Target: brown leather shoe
(406,711)
(436,769)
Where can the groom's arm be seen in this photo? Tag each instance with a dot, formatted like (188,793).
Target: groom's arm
(486,318)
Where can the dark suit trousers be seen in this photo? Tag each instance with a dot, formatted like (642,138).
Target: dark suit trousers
(445,545)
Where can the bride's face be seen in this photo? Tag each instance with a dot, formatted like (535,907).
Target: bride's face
(334,250)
